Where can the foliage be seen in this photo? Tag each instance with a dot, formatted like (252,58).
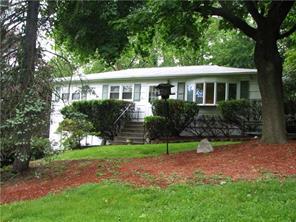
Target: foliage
(131,151)
(289,79)
(105,202)
(86,29)
(101,113)
(24,122)
(181,114)
(155,126)
(138,24)
(41,148)
(241,112)
(226,47)
(76,129)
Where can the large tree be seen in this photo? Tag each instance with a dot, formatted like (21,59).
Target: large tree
(113,23)
(25,88)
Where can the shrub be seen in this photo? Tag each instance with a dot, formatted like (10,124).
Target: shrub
(40,147)
(101,113)
(181,114)
(75,129)
(155,126)
(242,113)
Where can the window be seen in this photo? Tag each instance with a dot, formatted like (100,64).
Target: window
(65,97)
(190,89)
(152,93)
(105,92)
(127,92)
(244,89)
(114,92)
(199,93)
(181,91)
(220,92)
(232,91)
(76,96)
(209,93)
(137,92)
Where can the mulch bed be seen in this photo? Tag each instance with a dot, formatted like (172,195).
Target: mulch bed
(246,161)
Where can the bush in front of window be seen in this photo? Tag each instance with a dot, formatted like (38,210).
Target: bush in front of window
(155,127)
(101,113)
(180,114)
(245,114)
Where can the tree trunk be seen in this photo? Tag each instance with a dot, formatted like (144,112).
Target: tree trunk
(28,62)
(22,158)
(269,65)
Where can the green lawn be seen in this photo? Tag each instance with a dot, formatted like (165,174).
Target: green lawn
(241,201)
(130,151)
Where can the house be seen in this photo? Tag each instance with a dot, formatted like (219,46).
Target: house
(205,85)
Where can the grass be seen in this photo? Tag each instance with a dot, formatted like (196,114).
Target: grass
(130,151)
(269,200)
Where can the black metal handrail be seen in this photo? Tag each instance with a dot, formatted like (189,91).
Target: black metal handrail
(123,113)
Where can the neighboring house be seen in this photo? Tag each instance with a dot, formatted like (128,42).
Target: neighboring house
(205,85)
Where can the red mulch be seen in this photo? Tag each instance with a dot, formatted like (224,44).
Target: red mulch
(247,161)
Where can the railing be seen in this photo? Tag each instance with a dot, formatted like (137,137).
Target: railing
(119,122)
(127,109)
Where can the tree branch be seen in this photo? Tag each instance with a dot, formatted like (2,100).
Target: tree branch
(278,12)
(287,33)
(284,10)
(253,11)
(234,20)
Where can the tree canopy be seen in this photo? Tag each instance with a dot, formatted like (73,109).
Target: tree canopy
(115,25)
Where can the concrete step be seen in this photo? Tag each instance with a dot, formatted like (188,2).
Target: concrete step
(136,124)
(120,137)
(131,134)
(133,129)
(123,141)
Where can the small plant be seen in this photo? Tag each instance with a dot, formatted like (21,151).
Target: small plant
(74,130)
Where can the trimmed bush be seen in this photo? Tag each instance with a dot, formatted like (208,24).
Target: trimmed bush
(241,113)
(181,114)
(101,113)
(155,126)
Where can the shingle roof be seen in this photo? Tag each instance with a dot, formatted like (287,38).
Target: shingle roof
(162,72)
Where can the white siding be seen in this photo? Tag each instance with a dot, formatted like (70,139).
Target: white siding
(143,105)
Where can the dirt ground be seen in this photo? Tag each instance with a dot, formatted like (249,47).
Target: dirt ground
(246,161)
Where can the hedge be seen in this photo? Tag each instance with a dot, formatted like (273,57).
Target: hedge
(181,114)
(155,126)
(101,113)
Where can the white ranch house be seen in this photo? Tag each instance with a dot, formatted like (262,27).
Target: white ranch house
(205,85)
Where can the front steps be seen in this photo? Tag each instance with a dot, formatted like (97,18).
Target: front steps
(132,133)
